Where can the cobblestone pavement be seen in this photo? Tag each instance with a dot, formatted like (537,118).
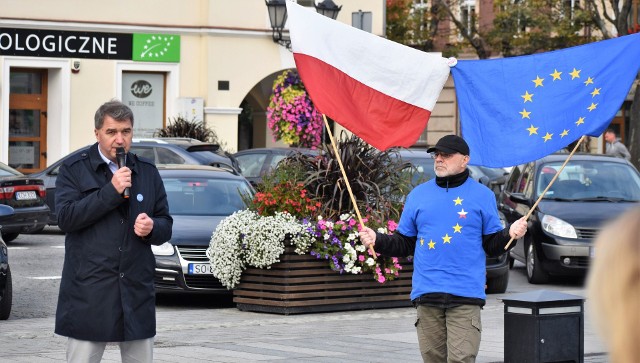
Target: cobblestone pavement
(204,334)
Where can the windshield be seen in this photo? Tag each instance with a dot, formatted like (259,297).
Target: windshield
(423,170)
(207,197)
(589,180)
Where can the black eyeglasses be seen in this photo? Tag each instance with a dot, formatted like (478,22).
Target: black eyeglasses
(445,156)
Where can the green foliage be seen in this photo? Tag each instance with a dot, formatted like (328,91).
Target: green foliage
(412,26)
(181,127)
(528,27)
(376,179)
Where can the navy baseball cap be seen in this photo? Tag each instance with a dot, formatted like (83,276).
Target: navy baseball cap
(451,144)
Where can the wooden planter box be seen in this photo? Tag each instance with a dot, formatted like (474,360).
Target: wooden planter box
(304,284)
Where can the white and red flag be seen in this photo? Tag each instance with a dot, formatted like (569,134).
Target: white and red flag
(380,90)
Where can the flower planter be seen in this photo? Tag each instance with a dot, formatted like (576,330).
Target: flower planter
(304,284)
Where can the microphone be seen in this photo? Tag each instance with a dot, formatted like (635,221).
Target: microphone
(121,157)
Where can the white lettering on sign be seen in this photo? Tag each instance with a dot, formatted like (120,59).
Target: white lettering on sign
(83,49)
(49,43)
(112,46)
(5,39)
(33,42)
(66,44)
(38,43)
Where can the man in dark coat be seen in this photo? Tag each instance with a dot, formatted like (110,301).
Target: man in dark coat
(107,292)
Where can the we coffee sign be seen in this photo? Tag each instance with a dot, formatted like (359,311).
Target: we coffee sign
(95,45)
(144,94)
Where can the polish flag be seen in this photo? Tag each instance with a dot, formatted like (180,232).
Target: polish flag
(380,90)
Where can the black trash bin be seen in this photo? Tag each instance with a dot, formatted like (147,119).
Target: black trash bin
(543,326)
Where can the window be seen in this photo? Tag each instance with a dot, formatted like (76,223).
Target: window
(468,15)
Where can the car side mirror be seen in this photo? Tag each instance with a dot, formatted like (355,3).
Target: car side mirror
(519,198)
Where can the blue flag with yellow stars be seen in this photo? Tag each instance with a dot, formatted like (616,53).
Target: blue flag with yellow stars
(519,109)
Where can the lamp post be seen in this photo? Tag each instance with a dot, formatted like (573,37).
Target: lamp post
(278,17)
(328,8)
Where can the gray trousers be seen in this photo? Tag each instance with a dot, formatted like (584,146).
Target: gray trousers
(449,335)
(135,351)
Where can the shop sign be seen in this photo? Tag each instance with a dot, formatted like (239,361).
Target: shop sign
(156,48)
(144,94)
(69,44)
(64,44)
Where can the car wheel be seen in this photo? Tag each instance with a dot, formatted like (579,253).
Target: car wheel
(498,285)
(512,261)
(535,273)
(10,237)
(5,298)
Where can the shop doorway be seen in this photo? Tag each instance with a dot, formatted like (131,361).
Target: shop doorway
(28,119)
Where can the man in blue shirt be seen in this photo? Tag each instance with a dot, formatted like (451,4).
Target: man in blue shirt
(448,224)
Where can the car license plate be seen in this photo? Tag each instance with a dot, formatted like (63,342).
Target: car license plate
(28,195)
(200,269)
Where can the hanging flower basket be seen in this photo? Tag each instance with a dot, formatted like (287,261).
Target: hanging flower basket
(291,115)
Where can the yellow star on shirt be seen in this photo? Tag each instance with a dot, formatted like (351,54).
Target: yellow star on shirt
(595,92)
(575,74)
(564,133)
(592,107)
(432,245)
(527,96)
(547,137)
(457,228)
(458,201)
(538,81)
(533,130)
(421,241)
(588,81)
(580,121)
(462,213)
(446,238)
(556,74)
(525,113)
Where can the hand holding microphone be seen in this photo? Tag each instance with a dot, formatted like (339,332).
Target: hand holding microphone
(121,157)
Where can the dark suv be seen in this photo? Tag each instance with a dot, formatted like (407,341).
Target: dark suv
(590,190)
(497,267)
(160,150)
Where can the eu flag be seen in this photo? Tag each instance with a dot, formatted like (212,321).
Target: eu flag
(516,110)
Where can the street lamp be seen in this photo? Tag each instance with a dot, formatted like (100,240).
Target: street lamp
(278,17)
(328,8)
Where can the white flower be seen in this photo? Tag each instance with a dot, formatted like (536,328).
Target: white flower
(382,230)
(370,261)
(247,239)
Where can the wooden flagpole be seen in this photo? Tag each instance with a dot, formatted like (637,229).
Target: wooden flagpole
(346,180)
(549,186)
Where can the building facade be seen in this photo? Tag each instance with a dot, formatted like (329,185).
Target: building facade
(198,59)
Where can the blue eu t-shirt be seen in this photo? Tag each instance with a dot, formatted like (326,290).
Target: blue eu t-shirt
(449,225)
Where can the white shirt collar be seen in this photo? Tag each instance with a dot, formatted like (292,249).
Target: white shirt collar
(112,166)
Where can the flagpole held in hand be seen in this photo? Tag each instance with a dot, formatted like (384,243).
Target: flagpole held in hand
(346,180)
(549,186)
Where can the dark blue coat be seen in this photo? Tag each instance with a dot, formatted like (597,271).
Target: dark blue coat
(106,292)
